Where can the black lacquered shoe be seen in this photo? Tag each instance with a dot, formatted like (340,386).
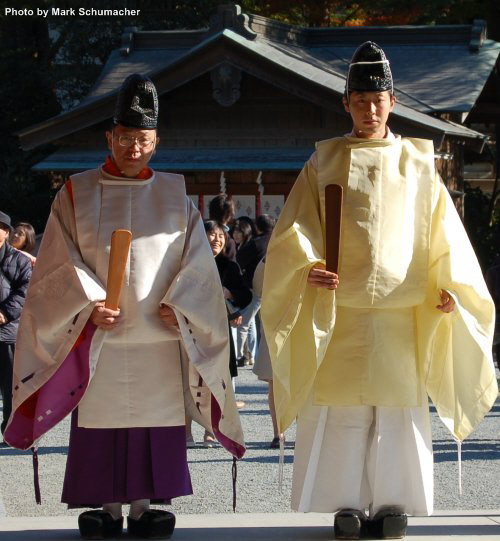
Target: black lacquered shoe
(389,523)
(350,524)
(99,524)
(152,524)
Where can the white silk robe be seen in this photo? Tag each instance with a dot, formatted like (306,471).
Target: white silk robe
(139,374)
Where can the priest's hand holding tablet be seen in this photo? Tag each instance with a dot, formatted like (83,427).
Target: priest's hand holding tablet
(104,318)
(319,277)
(168,317)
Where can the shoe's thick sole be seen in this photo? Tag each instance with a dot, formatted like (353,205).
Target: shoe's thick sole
(391,526)
(350,524)
(153,524)
(99,524)
(347,527)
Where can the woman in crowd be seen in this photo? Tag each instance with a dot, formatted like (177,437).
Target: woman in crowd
(221,209)
(242,233)
(24,240)
(250,222)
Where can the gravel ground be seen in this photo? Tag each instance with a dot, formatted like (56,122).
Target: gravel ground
(257,483)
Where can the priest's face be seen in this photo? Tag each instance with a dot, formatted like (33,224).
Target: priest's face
(217,240)
(131,148)
(369,112)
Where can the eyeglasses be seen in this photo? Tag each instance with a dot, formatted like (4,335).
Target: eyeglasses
(129,140)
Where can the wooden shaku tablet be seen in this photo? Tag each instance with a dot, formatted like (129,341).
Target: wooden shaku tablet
(333,221)
(120,247)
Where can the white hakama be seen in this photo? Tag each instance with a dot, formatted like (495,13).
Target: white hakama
(363,456)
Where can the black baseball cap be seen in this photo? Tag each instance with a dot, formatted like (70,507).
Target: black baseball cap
(5,220)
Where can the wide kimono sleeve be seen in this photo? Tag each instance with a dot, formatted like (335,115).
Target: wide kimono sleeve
(455,353)
(47,382)
(196,296)
(298,319)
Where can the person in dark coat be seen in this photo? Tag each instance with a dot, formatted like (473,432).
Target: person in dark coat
(15,274)
(248,257)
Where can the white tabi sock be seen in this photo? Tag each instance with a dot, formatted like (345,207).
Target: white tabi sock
(115,509)
(137,508)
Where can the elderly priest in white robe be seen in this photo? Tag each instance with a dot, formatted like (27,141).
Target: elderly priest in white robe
(357,353)
(128,375)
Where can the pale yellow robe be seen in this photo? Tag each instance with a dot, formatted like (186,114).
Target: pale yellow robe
(379,337)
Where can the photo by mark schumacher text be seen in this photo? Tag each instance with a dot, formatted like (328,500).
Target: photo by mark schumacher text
(71,12)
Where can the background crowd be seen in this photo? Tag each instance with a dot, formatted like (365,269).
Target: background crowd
(239,247)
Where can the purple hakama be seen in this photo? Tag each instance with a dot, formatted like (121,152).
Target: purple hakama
(107,465)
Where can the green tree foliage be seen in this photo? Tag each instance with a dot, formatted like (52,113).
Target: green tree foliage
(379,12)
